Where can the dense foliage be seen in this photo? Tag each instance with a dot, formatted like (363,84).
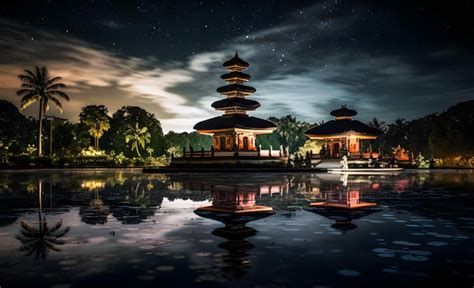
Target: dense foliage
(448,134)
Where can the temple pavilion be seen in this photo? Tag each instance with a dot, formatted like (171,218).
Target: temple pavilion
(344,134)
(235,130)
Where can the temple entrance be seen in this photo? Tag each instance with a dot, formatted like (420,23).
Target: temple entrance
(222,144)
(335,150)
(246,143)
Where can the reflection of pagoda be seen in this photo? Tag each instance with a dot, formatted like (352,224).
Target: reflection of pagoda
(235,209)
(343,204)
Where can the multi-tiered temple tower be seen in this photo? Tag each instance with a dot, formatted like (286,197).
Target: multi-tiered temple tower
(235,130)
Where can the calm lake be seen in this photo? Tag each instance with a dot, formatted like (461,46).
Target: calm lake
(122,228)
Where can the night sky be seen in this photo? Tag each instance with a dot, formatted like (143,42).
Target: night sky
(386,60)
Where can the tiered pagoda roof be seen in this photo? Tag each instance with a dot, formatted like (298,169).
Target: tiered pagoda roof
(342,124)
(235,104)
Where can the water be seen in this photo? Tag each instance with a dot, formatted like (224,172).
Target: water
(122,228)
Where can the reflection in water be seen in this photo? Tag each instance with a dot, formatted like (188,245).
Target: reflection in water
(235,206)
(421,218)
(39,240)
(97,211)
(342,202)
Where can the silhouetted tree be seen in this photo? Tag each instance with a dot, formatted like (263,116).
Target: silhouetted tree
(95,118)
(39,86)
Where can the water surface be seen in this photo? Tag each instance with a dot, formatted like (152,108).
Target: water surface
(120,228)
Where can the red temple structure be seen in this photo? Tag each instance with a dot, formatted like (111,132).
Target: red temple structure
(344,135)
(234,133)
(235,130)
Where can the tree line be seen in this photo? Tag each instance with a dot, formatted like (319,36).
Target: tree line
(133,132)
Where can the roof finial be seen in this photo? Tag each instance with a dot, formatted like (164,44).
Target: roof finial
(236,54)
(343,106)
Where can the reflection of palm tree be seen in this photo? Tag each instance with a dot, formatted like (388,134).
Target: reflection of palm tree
(39,240)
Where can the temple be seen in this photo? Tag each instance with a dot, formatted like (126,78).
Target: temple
(344,135)
(235,130)
(234,133)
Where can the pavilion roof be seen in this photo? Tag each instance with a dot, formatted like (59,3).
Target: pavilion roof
(235,74)
(343,112)
(236,102)
(341,126)
(234,121)
(236,87)
(236,61)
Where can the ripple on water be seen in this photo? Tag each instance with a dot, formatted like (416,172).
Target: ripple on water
(165,268)
(350,273)
(414,258)
(406,243)
(68,262)
(437,243)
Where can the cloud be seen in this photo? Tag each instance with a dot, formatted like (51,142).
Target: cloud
(110,24)
(313,61)
(96,76)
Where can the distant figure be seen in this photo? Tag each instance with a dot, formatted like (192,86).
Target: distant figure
(344,164)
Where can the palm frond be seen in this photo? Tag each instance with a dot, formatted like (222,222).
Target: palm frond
(27,85)
(45,75)
(30,73)
(60,234)
(58,93)
(52,80)
(45,105)
(28,227)
(39,76)
(57,103)
(28,100)
(51,246)
(25,91)
(56,226)
(56,86)
(27,79)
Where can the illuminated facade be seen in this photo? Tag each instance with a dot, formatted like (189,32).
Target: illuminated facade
(235,130)
(344,135)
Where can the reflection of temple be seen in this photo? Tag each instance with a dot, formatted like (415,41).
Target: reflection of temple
(342,201)
(235,209)
(344,135)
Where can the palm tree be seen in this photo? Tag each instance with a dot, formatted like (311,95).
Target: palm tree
(40,240)
(375,123)
(39,86)
(96,119)
(138,137)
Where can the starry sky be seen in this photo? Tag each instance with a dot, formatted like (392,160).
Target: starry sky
(386,59)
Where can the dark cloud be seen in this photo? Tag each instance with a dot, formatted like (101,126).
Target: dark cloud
(305,59)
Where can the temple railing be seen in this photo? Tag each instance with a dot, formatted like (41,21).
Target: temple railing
(240,153)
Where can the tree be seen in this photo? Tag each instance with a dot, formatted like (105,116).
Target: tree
(289,133)
(96,120)
(451,135)
(138,137)
(125,120)
(375,123)
(16,131)
(39,86)
(185,140)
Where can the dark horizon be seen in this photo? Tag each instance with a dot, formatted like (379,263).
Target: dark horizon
(387,60)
